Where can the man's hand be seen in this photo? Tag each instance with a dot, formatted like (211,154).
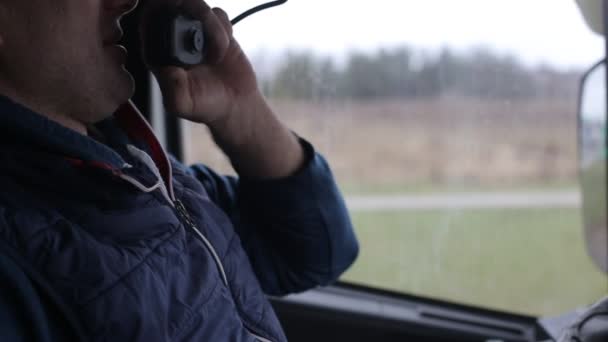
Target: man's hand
(223,94)
(219,87)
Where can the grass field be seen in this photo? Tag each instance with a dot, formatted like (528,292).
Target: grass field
(520,260)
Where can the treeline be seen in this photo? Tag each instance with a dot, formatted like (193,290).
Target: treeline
(406,72)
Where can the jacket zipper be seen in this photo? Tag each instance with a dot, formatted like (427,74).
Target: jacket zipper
(183,215)
(187,220)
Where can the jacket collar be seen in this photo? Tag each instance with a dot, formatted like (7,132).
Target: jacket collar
(127,126)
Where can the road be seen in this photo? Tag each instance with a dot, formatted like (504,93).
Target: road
(473,200)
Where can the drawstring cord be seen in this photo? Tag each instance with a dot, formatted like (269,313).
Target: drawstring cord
(139,185)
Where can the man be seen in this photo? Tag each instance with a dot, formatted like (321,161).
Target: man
(101,237)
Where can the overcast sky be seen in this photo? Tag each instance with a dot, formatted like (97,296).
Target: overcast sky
(550,31)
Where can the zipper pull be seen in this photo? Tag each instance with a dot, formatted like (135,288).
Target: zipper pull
(185,216)
(183,212)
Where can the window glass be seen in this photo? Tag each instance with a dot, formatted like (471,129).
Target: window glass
(451,129)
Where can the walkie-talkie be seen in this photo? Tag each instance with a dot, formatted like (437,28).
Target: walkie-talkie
(174,38)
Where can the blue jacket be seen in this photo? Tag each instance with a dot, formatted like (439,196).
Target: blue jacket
(113,241)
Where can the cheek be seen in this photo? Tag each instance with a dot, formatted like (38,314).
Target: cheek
(79,50)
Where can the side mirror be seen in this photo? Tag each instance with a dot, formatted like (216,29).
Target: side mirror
(592,162)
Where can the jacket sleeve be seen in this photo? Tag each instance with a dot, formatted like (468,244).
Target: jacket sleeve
(296,230)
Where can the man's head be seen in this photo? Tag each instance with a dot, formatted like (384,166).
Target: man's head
(59,57)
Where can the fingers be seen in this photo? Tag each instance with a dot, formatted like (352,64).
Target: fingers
(224,19)
(217,36)
(217,33)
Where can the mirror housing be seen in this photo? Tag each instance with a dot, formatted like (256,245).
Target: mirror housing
(592,13)
(593,161)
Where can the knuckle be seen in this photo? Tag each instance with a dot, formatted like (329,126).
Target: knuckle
(220,13)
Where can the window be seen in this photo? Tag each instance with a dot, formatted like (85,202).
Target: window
(451,129)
